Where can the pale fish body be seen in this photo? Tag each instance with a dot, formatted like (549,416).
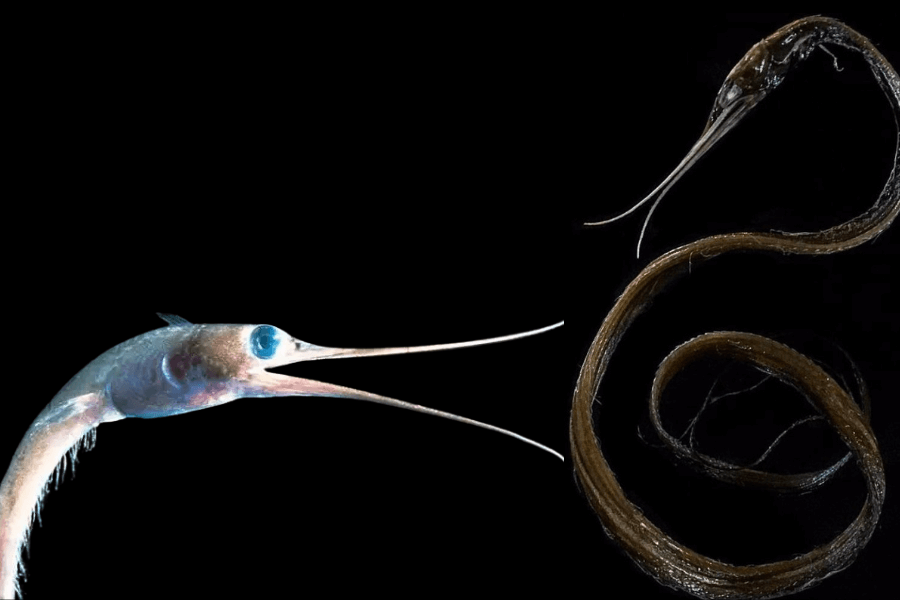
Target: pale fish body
(169,371)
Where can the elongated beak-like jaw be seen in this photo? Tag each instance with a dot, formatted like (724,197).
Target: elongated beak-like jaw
(262,383)
(299,351)
(720,122)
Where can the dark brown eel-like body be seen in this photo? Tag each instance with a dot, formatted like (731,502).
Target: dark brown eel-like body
(671,563)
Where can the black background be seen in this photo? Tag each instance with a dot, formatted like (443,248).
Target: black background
(814,154)
(387,179)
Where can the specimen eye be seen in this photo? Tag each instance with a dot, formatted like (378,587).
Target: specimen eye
(733,93)
(264,341)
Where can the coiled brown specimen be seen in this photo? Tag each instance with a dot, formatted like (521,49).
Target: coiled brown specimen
(669,562)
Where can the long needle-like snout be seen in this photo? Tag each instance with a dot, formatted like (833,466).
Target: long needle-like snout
(305,352)
(715,131)
(265,384)
(760,71)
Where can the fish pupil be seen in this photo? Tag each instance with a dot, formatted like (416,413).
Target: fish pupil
(264,341)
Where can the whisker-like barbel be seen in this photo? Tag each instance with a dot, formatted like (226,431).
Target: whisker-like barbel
(172,370)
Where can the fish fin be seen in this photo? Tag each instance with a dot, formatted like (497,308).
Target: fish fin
(173,320)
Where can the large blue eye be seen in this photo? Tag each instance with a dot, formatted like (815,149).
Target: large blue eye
(264,341)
